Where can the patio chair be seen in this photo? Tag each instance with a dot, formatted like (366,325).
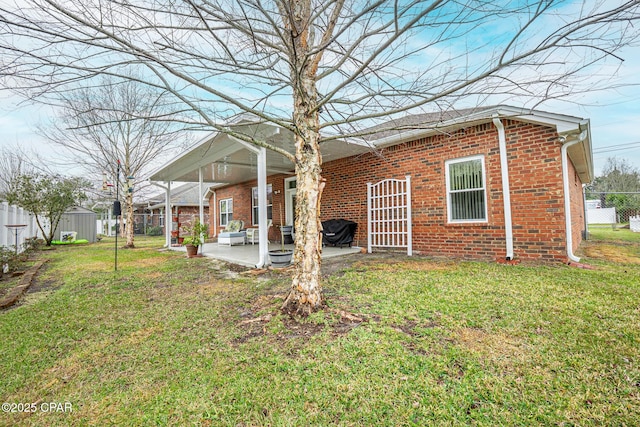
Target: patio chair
(253,234)
(233,233)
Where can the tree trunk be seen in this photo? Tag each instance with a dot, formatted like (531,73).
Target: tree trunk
(48,236)
(305,295)
(130,222)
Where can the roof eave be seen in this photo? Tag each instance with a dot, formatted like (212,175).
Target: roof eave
(581,154)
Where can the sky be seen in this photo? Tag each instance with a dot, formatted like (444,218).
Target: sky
(614,115)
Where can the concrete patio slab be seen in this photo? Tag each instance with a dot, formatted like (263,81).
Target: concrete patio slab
(247,255)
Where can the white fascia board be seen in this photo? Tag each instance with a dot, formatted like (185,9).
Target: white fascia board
(564,124)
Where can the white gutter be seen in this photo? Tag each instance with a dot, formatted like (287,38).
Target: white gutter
(567,197)
(506,188)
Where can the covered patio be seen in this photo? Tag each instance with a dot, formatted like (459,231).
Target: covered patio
(224,158)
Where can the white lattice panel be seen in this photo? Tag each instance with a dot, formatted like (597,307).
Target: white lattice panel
(389,214)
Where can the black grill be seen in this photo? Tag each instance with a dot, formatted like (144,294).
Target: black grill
(338,232)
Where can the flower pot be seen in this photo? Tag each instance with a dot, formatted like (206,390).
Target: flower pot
(280,258)
(192,251)
(287,234)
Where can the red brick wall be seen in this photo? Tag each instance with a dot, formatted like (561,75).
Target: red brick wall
(535,173)
(241,195)
(185,217)
(536,192)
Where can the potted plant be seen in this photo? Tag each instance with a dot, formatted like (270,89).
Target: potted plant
(281,257)
(195,238)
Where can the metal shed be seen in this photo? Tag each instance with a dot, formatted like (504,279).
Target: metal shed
(80,220)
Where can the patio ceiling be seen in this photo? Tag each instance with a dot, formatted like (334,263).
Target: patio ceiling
(225,160)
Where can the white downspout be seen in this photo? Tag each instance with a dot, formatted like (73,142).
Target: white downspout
(567,197)
(506,188)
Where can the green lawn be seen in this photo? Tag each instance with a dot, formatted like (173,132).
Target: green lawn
(174,341)
(611,234)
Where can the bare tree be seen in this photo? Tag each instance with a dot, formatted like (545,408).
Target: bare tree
(618,175)
(16,161)
(336,67)
(118,122)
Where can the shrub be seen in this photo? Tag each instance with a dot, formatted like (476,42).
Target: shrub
(8,260)
(154,231)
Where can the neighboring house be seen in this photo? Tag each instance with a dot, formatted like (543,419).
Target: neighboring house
(487,183)
(184,205)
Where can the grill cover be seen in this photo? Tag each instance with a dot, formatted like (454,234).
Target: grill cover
(338,232)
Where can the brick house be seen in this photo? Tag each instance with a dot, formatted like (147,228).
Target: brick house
(184,207)
(497,183)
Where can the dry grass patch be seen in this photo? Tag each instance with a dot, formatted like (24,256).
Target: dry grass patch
(495,347)
(619,253)
(147,262)
(416,265)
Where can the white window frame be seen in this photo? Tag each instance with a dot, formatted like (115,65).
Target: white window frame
(290,188)
(447,164)
(228,212)
(254,207)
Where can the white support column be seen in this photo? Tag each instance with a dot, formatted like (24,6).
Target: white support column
(168,215)
(263,238)
(200,202)
(200,195)
(215,213)
(263,244)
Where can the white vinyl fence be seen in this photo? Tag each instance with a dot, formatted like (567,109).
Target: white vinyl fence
(12,216)
(602,216)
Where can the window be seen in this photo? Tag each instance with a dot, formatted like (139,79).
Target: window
(466,191)
(226,211)
(254,204)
